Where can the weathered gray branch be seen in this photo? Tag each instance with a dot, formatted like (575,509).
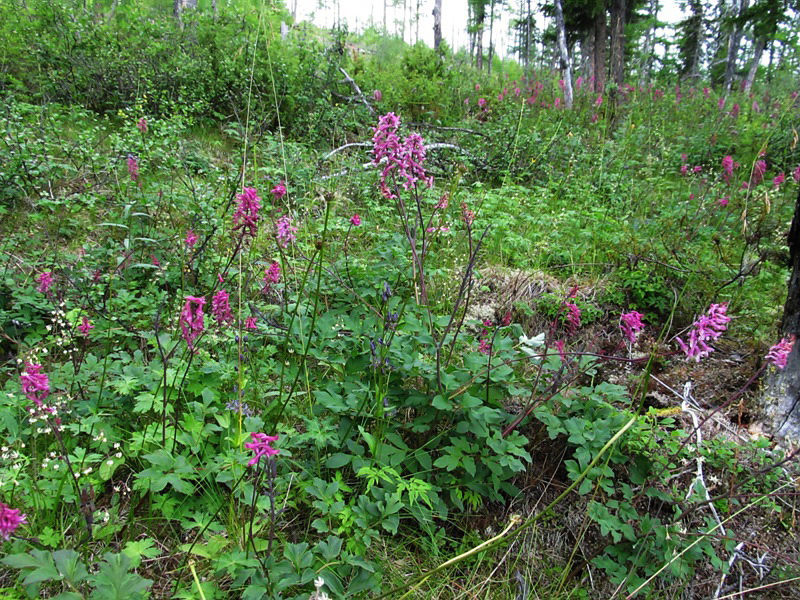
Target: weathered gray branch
(359,94)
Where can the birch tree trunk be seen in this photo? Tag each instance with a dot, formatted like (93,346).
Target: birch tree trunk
(491,37)
(437,24)
(761,43)
(733,47)
(618,42)
(566,70)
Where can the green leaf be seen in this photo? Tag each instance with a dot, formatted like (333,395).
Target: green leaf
(338,460)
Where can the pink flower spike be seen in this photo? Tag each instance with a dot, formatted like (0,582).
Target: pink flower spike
(133,167)
(45,280)
(779,353)
(272,275)
(261,446)
(377,95)
(191,239)
(35,385)
(246,215)
(251,323)
(221,308)
(85,327)
(779,179)
(355,220)
(279,191)
(599,101)
(285,231)
(723,201)
(10,520)
(573,317)
(631,324)
(191,320)
(141,125)
(707,328)
(796,174)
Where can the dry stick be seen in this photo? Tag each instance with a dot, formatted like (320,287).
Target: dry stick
(755,589)
(359,94)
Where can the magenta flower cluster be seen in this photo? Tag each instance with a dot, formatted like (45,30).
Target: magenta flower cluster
(141,125)
(85,327)
(279,191)
(221,308)
(133,168)
(779,353)
(10,520)
(707,328)
(573,317)
(355,220)
(35,385)
(272,275)
(191,239)
(285,231)
(260,445)
(631,324)
(191,320)
(245,218)
(45,280)
(404,160)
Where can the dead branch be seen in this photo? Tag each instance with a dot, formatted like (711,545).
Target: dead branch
(359,94)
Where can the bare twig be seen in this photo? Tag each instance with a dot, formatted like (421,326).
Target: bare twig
(359,94)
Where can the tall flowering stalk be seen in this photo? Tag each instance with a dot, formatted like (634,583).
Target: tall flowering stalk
(245,218)
(45,280)
(191,320)
(35,385)
(404,160)
(221,308)
(272,275)
(133,168)
(285,231)
(707,328)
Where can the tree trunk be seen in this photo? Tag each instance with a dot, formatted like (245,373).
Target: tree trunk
(648,56)
(528,38)
(782,389)
(761,43)
(566,71)
(491,37)
(437,24)
(733,48)
(618,41)
(599,63)
(177,10)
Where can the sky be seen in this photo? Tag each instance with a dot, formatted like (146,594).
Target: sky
(359,14)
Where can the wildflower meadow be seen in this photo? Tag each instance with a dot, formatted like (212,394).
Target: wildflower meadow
(434,330)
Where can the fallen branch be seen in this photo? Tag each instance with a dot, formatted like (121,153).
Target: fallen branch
(351,145)
(359,94)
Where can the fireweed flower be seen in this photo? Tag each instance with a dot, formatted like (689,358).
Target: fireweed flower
(133,167)
(85,327)
(272,275)
(191,320)
(35,385)
(279,191)
(141,125)
(779,353)
(707,328)
(355,220)
(191,239)
(221,308)
(631,324)
(45,280)
(246,215)
(261,446)
(10,520)
(285,231)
